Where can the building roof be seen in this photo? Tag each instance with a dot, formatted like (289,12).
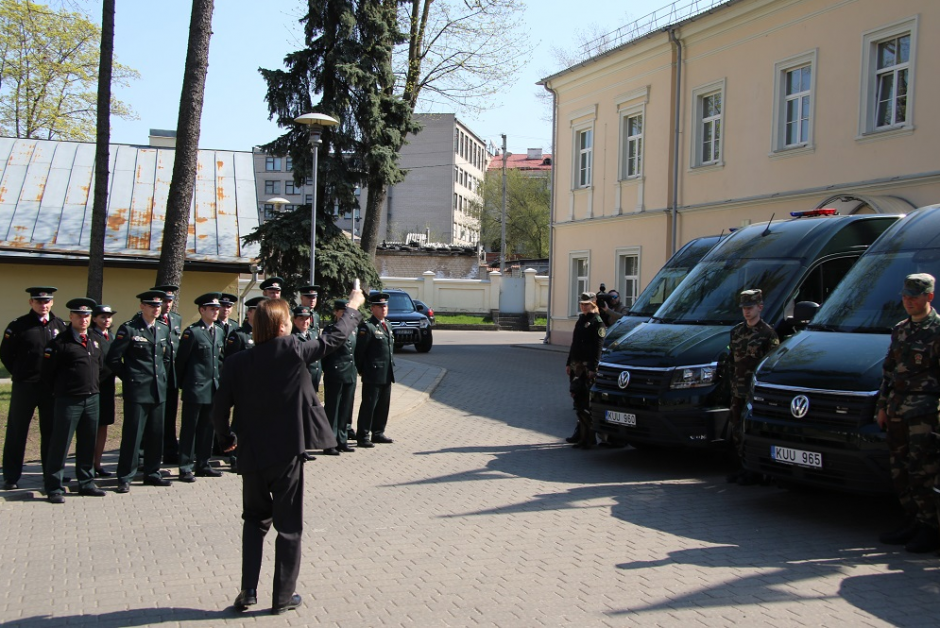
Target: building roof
(47,193)
(522,162)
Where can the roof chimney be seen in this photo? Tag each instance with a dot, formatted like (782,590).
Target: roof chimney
(533,153)
(163,138)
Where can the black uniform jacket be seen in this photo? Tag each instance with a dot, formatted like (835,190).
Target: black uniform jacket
(199,362)
(239,339)
(105,343)
(587,341)
(374,347)
(23,344)
(142,360)
(71,370)
(275,404)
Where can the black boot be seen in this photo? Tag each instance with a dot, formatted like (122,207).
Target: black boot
(927,539)
(576,436)
(900,535)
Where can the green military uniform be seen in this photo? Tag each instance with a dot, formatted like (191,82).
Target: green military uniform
(21,352)
(71,369)
(171,409)
(339,385)
(198,364)
(375,363)
(910,397)
(142,358)
(239,339)
(583,358)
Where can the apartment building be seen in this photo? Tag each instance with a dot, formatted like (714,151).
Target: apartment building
(733,112)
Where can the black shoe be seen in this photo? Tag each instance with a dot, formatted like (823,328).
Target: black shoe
(306,457)
(346,449)
(91,491)
(10,486)
(123,487)
(294,603)
(365,443)
(188,477)
(246,598)
(350,435)
(233,465)
(331,451)
(927,539)
(901,535)
(56,498)
(101,473)
(382,439)
(208,473)
(574,437)
(156,482)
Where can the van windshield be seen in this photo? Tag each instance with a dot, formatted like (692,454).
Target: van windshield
(663,285)
(869,298)
(709,295)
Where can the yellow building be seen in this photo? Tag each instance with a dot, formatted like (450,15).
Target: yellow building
(746,110)
(46,195)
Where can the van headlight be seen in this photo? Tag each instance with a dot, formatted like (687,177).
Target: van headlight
(424,323)
(694,376)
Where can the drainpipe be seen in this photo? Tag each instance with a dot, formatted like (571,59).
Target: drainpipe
(551,218)
(675,145)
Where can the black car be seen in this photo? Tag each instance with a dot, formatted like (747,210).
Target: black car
(425,309)
(410,326)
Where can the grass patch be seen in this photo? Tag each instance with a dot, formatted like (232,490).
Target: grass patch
(462,319)
(4,374)
(540,320)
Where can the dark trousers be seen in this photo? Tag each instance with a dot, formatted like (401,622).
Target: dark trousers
(25,398)
(373,409)
(195,436)
(736,427)
(171,447)
(74,416)
(338,400)
(143,427)
(274,494)
(918,467)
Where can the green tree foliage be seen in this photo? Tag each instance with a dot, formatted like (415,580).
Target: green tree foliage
(285,251)
(49,73)
(528,213)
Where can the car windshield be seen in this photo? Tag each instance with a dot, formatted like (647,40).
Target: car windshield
(400,302)
(869,298)
(710,293)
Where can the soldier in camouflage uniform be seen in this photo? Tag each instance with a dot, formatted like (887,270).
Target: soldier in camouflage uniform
(908,406)
(751,340)
(581,367)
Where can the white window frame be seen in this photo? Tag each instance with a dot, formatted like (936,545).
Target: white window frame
(623,280)
(583,158)
(781,69)
(698,125)
(627,140)
(868,109)
(577,283)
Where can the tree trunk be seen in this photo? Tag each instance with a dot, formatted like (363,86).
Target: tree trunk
(180,196)
(99,211)
(369,238)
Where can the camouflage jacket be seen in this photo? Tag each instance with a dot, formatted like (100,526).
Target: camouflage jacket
(911,383)
(748,347)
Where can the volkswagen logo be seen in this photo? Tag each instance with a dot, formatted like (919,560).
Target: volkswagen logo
(623,380)
(799,406)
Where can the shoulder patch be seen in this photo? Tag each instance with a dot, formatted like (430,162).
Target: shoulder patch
(363,331)
(8,333)
(47,353)
(602,331)
(186,334)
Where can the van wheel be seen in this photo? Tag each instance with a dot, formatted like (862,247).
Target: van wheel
(425,345)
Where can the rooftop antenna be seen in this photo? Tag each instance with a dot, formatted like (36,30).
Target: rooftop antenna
(767,230)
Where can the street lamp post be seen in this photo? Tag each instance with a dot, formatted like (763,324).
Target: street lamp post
(316,122)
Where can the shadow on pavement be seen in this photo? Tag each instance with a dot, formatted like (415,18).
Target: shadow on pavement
(135,617)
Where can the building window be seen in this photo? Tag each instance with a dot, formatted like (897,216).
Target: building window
(268,211)
(580,280)
(632,144)
(888,77)
(628,275)
(289,188)
(795,82)
(289,163)
(708,149)
(272,164)
(272,187)
(584,157)
(308,199)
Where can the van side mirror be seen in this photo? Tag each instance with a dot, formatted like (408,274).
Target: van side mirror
(804,311)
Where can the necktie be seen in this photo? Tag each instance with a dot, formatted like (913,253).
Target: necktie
(105,334)
(84,340)
(45,321)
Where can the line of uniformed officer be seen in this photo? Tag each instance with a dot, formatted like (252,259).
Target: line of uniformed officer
(375,363)
(174,323)
(339,385)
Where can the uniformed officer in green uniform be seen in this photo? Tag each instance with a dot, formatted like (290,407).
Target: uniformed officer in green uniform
(174,322)
(141,355)
(102,318)
(226,303)
(239,338)
(581,366)
(376,365)
(21,352)
(339,384)
(198,364)
(71,369)
(308,298)
(272,286)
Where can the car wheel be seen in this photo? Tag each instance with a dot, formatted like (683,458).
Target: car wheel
(424,345)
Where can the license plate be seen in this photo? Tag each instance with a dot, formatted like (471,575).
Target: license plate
(621,418)
(403,332)
(798,457)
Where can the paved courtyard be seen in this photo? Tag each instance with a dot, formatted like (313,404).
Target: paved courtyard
(478,515)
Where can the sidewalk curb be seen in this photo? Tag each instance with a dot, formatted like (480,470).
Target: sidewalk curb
(422,397)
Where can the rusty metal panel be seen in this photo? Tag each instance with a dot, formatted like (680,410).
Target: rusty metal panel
(141,206)
(119,198)
(205,233)
(246,201)
(53,196)
(79,199)
(226,208)
(11,181)
(30,195)
(161,191)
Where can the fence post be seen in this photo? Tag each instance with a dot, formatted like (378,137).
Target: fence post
(427,287)
(496,282)
(531,290)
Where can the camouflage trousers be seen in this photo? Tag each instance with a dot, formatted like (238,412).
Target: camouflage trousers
(915,464)
(736,427)
(580,387)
